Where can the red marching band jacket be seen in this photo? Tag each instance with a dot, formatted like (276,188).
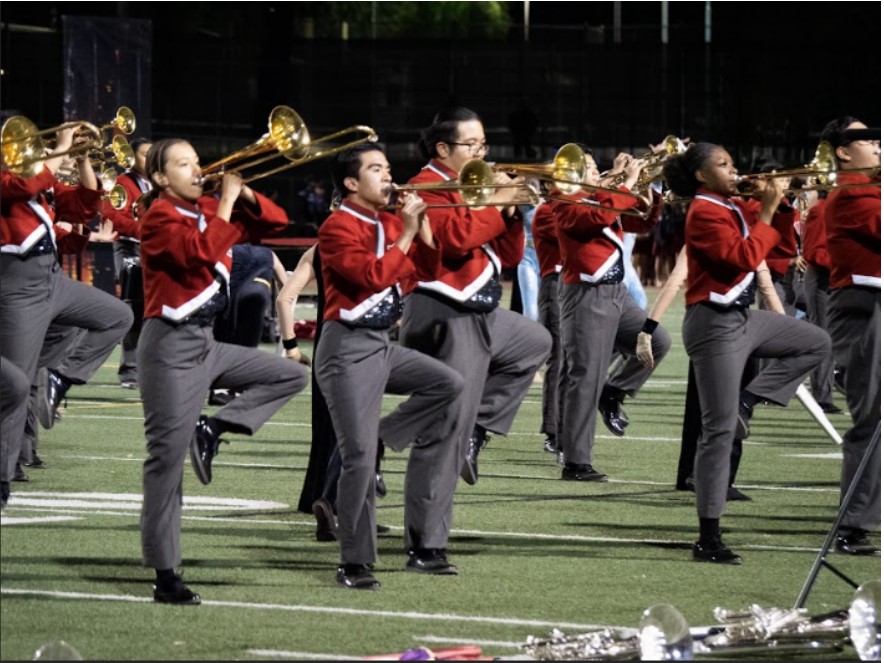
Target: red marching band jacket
(546,240)
(124,219)
(475,243)
(361,264)
(591,237)
(186,248)
(853,233)
(725,244)
(813,245)
(26,216)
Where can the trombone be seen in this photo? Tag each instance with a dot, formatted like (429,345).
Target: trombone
(476,186)
(567,173)
(822,173)
(286,137)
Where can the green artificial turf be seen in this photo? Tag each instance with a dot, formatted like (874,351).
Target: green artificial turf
(534,552)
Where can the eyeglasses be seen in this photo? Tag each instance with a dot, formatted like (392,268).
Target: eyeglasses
(475,149)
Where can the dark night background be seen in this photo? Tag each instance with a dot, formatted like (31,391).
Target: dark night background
(773,74)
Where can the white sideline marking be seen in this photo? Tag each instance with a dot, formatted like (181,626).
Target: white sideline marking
(119,418)
(285,607)
(6,520)
(832,456)
(577,538)
(466,641)
(132,502)
(300,655)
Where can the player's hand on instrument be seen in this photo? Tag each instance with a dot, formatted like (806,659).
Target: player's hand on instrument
(298,356)
(413,209)
(643,349)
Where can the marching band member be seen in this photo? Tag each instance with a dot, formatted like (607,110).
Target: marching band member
(365,253)
(454,314)
(186,243)
(546,244)
(35,292)
(725,243)
(127,256)
(598,315)
(853,234)
(816,291)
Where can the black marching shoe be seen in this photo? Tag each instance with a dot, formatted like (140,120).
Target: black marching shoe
(581,472)
(176,594)
(470,470)
(356,576)
(855,543)
(20,474)
(203,448)
(611,409)
(36,463)
(736,495)
(56,389)
(431,561)
(326,529)
(743,416)
(830,408)
(380,486)
(716,552)
(221,396)
(550,446)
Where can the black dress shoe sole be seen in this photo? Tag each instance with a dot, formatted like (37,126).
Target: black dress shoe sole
(358,582)
(435,568)
(185,597)
(203,472)
(595,477)
(469,474)
(325,521)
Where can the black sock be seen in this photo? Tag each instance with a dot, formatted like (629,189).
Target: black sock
(749,398)
(613,392)
(709,529)
(479,431)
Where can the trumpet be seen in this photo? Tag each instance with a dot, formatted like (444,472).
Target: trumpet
(476,186)
(24,149)
(287,137)
(653,170)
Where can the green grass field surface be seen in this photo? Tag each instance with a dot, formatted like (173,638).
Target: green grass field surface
(534,552)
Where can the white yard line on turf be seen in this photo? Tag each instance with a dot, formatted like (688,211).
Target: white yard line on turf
(318,609)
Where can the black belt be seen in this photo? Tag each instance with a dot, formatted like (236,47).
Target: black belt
(44,247)
(199,319)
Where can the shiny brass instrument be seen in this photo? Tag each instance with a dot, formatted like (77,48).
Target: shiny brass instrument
(663,635)
(822,173)
(654,161)
(117,197)
(567,173)
(476,186)
(287,137)
(24,149)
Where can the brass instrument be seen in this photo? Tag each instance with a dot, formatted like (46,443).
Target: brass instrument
(653,169)
(663,635)
(822,173)
(567,173)
(476,186)
(286,137)
(24,149)
(117,197)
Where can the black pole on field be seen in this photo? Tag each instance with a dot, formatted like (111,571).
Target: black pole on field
(821,558)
